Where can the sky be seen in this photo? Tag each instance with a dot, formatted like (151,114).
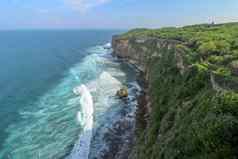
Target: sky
(113,14)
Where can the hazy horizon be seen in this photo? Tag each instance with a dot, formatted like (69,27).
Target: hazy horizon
(111,14)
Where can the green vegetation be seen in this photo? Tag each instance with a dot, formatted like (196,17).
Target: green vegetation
(190,119)
(215,44)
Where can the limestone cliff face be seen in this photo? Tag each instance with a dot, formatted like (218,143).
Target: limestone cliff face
(140,51)
(184,103)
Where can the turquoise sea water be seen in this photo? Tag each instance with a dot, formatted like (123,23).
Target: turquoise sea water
(56,89)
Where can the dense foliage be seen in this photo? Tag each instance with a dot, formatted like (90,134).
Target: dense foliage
(190,118)
(214,46)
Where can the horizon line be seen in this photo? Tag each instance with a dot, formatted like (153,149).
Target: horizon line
(122,29)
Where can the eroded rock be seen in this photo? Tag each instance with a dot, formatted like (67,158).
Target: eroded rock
(123,92)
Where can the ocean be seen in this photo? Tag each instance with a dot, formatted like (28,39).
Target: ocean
(57,93)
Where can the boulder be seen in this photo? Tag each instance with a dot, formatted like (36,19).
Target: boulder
(123,92)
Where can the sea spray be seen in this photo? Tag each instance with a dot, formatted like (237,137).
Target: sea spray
(85,117)
(57,120)
(114,138)
(102,88)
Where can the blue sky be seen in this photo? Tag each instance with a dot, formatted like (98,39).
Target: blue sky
(74,14)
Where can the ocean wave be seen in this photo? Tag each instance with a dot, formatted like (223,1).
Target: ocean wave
(108,136)
(62,121)
(107,46)
(85,117)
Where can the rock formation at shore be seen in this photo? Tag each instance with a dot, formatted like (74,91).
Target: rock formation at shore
(189,109)
(122,93)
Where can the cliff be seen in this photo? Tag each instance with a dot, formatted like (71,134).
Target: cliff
(191,108)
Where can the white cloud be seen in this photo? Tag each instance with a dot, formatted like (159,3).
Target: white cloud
(84,5)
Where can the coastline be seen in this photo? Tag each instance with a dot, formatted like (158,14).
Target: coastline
(190,95)
(120,138)
(114,131)
(140,116)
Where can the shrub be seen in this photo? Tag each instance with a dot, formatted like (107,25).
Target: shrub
(234,44)
(207,48)
(223,71)
(216,59)
(222,47)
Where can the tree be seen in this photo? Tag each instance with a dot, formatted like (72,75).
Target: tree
(207,48)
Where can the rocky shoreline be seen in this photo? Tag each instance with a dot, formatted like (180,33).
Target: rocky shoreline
(188,109)
(120,138)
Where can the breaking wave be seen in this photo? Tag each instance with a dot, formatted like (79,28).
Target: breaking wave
(85,118)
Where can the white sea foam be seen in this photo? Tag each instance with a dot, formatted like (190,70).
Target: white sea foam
(103,87)
(50,121)
(74,74)
(85,117)
(115,72)
(106,82)
(136,86)
(107,46)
